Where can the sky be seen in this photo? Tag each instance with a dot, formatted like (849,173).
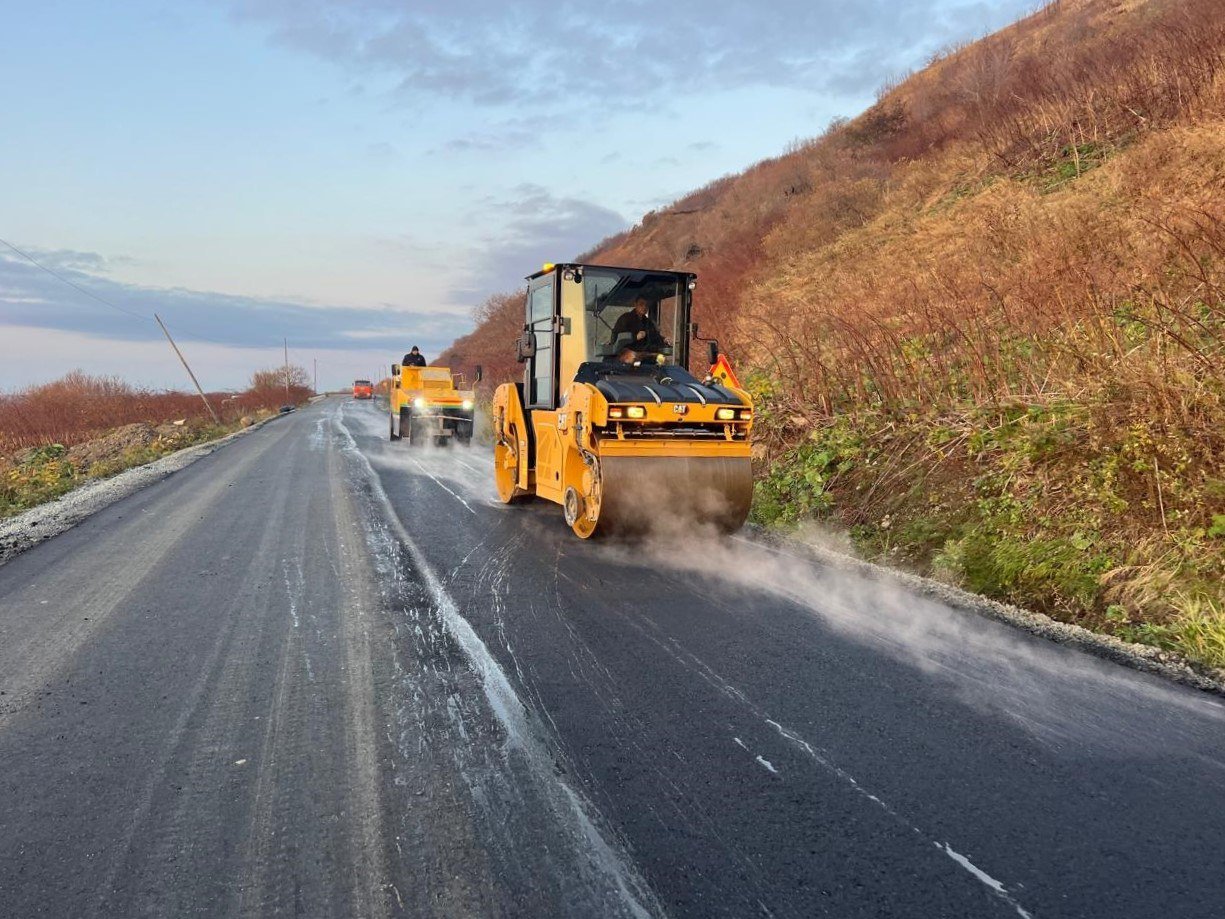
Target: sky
(355,176)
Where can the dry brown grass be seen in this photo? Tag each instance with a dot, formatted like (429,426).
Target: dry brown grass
(984,320)
(79,407)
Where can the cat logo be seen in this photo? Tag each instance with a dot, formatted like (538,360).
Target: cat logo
(680,408)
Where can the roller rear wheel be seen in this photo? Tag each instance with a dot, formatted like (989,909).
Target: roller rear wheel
(578,513)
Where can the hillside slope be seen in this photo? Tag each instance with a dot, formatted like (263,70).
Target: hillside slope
(984,320)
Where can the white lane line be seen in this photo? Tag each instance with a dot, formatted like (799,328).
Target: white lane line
(463,462)
(443,487)
(511,712)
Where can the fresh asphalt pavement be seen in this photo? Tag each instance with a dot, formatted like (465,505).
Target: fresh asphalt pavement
(316,673)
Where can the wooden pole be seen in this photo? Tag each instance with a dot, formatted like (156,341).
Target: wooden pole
(216,420)
(287,371)
(315,361)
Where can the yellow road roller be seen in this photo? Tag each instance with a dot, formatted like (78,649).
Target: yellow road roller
(426,404)
(608,421)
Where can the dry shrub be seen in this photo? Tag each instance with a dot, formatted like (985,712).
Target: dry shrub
(915,253)
(78,407)
(1010,292)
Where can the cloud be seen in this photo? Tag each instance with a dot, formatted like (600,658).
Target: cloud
(498,137)
(490,52)
(382,151)
(69,259)
(536,227)
(32,298)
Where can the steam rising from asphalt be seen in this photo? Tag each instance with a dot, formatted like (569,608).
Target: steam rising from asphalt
(1055,693)
(1060,696)
(465,471)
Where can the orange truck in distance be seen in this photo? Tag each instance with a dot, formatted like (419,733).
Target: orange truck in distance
(362,389)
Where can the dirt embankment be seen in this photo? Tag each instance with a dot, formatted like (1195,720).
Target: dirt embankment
(36,475)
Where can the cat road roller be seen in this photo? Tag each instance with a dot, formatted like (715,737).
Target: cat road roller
(608,421)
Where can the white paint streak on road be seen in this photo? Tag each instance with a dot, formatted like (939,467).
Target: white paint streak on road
(979,875)
(510,711)
(438,482)
(987,879)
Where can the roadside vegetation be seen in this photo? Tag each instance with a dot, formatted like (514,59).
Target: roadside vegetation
(984,322)
(1026,395)
(59,435)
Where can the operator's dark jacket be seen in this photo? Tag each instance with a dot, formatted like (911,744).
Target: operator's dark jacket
(413,360)
(631,324)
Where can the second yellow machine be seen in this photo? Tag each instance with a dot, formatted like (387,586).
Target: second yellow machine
(427,405)
(608,421)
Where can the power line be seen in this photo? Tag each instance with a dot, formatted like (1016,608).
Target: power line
(89,293)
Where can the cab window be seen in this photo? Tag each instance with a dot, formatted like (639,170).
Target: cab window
(540,320)
(609,293)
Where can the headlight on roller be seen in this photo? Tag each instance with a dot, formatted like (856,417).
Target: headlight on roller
(616,411)
(725,414)
(418,402)
(467,405)
(635,411)
(746,414)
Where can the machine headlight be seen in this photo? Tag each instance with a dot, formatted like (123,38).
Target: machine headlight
(418,402)
(616,411)
(725,414)
(746,414)
(635,411)
(467,405)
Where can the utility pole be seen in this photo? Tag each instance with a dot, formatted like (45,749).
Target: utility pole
(287,370)
(216,420)
(315,361)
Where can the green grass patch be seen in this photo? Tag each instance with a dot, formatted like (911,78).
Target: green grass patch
(46,473)
(1078,509)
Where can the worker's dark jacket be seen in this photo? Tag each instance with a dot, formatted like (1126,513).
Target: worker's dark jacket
(413,360)
(631,324)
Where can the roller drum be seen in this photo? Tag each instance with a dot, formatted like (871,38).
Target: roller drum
(674,494)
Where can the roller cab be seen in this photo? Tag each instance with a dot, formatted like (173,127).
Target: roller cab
(608,421)
(427,404)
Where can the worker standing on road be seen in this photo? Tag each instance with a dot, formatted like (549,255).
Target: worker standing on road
(640,327)
(414,358)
